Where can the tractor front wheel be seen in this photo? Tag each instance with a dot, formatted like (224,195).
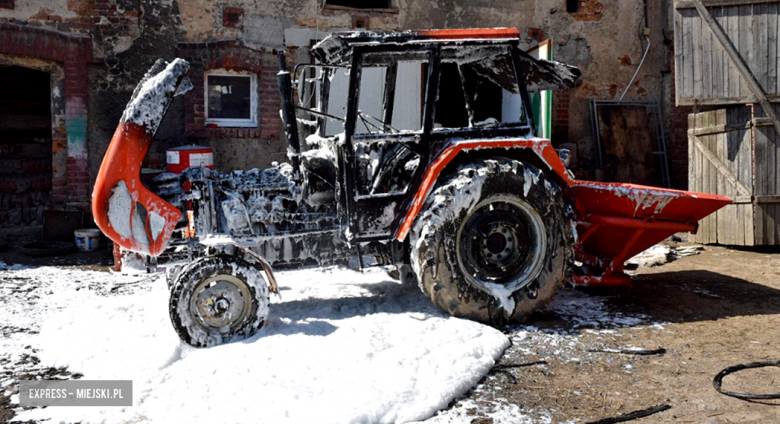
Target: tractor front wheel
(493,242)
(217,299)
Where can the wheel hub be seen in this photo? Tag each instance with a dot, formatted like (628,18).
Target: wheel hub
(221,305)
(502,241)
(221,301)
(498,244)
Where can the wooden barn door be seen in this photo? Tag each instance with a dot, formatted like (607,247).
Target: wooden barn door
(766,188)
(720,149)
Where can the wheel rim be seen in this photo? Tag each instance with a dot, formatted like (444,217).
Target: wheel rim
(221,302)
(502,241)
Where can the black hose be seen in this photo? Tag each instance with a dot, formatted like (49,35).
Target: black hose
(527,364)
(659,351)
(632,415)
(718,380)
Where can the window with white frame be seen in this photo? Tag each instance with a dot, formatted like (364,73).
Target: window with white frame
(231,98)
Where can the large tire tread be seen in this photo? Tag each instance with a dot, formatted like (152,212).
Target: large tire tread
(433,240)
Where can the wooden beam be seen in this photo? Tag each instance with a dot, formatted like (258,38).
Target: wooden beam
(717,129)
(688,4)
(769,198)
(743,70)
(762,122)
(724,101)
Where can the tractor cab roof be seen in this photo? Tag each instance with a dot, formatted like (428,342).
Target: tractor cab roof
(337,49)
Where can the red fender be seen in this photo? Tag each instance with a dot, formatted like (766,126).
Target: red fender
(543,148)
(127,212)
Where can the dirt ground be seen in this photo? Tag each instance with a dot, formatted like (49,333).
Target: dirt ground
(709,311)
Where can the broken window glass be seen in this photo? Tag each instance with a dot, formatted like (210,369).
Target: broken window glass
(390,106)
(231,99)
(478,88)
(451,109)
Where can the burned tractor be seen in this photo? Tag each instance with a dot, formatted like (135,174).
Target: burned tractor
(411,150)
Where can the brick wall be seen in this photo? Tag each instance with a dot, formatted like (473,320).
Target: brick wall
(91,16)
(72,53)
(231,55)
(560,121)
(68,40)
(588,10)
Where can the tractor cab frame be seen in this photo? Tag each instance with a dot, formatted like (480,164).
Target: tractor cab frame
(476,57)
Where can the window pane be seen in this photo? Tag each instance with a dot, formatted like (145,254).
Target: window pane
(407,109)
(337,100)
(230,97)
(407,99)
(372,89)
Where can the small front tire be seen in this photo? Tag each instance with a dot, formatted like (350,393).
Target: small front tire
(218,299)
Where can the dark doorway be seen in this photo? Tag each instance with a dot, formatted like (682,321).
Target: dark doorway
(25,145)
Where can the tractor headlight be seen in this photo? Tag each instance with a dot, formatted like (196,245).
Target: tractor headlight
(565,155)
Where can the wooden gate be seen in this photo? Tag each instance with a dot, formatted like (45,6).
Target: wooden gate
(726,54)
(734,152)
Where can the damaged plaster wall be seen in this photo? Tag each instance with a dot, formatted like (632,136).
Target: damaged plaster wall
(153,35)
(603,39)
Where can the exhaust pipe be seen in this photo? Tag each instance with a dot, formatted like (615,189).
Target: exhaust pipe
(288,117)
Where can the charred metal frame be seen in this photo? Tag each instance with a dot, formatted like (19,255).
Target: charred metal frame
(357,213)
(288,113)
(356,207)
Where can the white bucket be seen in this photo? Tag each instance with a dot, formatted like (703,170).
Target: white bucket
(87,239)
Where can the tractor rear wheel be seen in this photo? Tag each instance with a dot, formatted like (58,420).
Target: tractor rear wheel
(217,299)
(493,242)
